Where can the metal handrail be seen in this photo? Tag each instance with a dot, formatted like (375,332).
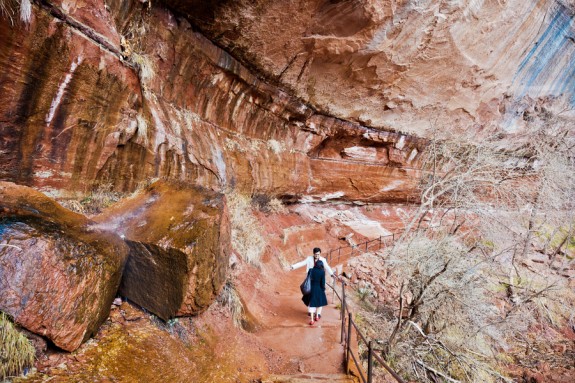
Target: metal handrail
(330,257)
(385,365)
(346,336)
(370,353)
(380,240)
(346,340)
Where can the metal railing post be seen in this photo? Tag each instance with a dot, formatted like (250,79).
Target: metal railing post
(369,362)
(348,348)
(343,309)
(346,338)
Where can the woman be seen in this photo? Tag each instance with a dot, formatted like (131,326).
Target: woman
(316,299)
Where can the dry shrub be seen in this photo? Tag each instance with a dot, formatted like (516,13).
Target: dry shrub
(134,45)
(246,231)
(453,328)
(515,194)
(230,298)
(276,206)
(269,204)
(16,351)
(102,197)
(72,204)
(445,312)
(145,66)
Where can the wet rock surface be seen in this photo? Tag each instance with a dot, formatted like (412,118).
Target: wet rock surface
(310,101)
(57,277)
(155,278)
(179,240)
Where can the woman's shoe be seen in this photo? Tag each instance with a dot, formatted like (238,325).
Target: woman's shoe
(311,322)
(318,317)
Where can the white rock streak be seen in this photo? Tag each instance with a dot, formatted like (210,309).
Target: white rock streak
(61,89)
(473,8)
(25,11)
(392,185)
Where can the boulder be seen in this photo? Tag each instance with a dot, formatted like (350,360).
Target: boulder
(155,278)
(58,276)
(180,245)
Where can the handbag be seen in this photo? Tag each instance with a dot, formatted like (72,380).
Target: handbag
(305,286)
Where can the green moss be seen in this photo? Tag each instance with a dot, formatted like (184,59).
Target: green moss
(488,244)
(499,287)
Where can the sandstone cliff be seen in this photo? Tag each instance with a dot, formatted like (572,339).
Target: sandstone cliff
(405,65)
(306,101)
(124,92)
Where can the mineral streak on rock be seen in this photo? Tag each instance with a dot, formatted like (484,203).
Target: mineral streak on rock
(406,65)
(122,95)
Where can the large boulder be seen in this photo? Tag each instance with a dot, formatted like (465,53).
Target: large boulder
(179,239)
(58,277)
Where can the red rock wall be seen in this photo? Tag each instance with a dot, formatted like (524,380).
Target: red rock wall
(66,104)
(121,93)
(406,65)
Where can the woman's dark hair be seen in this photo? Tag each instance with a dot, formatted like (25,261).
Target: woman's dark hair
(319,264)
(316,250)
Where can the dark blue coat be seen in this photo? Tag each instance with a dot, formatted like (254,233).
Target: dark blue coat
(317,296)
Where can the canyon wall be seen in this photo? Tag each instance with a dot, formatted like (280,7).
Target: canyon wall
(121,93)
(325,99)
(406,65)
(303,100)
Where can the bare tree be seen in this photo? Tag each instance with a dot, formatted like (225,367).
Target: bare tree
(486,209)
(441,303)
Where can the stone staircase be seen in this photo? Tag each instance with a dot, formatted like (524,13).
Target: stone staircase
(311,378)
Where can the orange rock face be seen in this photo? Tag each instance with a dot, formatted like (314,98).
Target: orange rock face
(179,239)
(125,93)
(57,277)
(412,66)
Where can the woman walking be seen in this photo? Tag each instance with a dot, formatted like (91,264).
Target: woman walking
(316,299)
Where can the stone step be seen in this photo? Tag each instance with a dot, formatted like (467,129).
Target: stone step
(310,378)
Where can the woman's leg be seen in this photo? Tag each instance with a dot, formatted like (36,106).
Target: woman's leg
(318,315)
(311,311)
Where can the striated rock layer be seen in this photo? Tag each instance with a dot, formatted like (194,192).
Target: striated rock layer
(121,92)
(405,65)
(124,92)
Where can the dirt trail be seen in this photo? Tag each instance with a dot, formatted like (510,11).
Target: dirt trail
(303,347)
